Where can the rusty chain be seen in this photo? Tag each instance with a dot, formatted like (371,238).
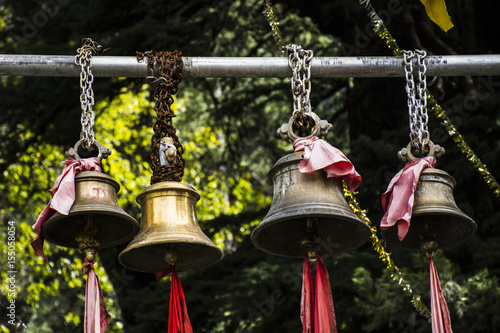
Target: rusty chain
(165,85)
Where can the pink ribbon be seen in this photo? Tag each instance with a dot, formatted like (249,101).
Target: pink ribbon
(63,196)
(96,315)
(319,154)
(439,309)
(317,312)
(178,318)
(398,199)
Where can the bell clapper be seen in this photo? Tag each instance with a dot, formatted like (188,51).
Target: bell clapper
(171,256)
(310,241)
(428,245)
(86,241)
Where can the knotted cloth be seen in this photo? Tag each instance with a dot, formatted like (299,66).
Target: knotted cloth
(398,199)
(319,154)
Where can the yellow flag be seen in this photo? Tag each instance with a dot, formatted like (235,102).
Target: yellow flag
(436,9)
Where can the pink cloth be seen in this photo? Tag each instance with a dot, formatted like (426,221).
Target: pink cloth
(399,197)
(63,196)
(96,316)
(317,312)
(319,154)
(439,310)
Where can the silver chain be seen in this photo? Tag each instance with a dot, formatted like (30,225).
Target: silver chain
(416,87)
(299,61)
(84,60)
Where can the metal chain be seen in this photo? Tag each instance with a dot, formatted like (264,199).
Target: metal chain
(84,60)
(300,62)
(165,85)
(416,87)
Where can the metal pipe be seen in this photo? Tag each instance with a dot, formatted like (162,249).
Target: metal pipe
(106,66)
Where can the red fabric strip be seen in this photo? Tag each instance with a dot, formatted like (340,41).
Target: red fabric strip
(178,317)
(307,299)
(317,312)
(319,154)
(96,315)
(398,199)
(439,309)
(63,196)
(324,312)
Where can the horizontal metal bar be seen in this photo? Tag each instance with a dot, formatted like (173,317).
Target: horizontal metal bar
(105,66)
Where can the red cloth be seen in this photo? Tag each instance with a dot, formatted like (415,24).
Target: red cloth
(178,318)
(324,312)
(63,196)
(96,315)
(319,154)
(439,310)
(317,312)
(399,197)
(307,299)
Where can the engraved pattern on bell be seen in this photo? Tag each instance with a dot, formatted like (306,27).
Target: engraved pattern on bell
(95,203)
(298,197)
(435,206)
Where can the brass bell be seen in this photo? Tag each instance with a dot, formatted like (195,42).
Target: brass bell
(435,215)
(305,205)
(95,208)
(169,232)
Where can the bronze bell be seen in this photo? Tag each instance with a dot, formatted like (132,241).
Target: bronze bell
(95,209)
(169,232)
(436,217)
(307,205)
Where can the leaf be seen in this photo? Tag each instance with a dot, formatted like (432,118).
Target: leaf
(436,10)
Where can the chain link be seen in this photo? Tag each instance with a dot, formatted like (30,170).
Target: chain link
(416,87)
(84,60)
(300,62)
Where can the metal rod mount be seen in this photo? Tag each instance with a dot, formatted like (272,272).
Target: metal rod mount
(114,66)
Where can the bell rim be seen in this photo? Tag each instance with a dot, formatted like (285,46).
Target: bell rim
(364,229)
(390,235)
(57,217)
(215,255)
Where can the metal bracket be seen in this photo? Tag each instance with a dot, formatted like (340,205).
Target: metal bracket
(321,128)
(405,154)
(103,152)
